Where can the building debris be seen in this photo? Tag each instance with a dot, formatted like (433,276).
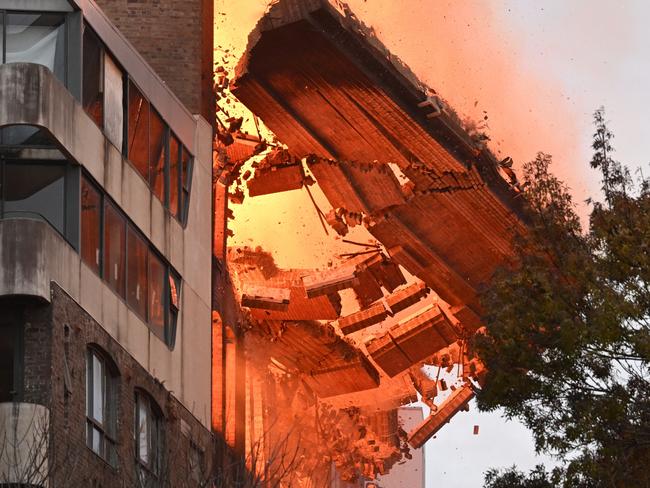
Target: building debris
(412,340)
(363,318)
(450,407)
(402,299)
(275,179)
(330,281)
(265,297)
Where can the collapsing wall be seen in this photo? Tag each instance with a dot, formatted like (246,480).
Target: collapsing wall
(391,158)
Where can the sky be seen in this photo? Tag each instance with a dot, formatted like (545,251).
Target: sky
(538,69)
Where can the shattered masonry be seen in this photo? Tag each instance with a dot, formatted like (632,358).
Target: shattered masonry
(390,158)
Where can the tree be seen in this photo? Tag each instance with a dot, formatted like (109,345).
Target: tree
(512,478)
(567,341)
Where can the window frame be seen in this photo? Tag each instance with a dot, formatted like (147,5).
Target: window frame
(155,422)
(168,334)
(183,185)
(108,429)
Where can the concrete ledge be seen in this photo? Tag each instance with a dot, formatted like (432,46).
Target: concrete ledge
(32,254)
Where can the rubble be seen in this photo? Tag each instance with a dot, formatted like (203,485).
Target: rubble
(330,281)
(452,405)
(363,318)
(412,340)
(275,179)
(265,297)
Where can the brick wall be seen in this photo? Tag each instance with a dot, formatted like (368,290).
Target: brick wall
(175,37)
(59,334)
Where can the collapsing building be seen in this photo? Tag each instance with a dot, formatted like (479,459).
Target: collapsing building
(129,346)
(391,157)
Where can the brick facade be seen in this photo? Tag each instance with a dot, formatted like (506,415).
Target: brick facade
(56,340)
(176,38)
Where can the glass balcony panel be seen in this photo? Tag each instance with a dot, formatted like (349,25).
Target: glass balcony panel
(37,38)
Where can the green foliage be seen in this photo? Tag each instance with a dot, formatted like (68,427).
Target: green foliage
(568,326)
(512,478)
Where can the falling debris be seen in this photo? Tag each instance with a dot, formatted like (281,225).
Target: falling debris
(438,419)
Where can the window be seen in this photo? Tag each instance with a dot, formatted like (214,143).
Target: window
(93,81)
(137,252)
(46,188)
(174,307)
(101,414)
(91,225)
(187,183)
(138,148)
(31,189)
(36,38)
(152,149)
(157,140)
(148,438)
(174,175)
(114,248)
(10,356)
(157,295)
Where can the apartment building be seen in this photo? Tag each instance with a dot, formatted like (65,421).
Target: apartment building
(105,258)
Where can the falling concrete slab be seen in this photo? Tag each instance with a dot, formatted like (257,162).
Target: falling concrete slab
(330,281)
(266,298)
(450,407)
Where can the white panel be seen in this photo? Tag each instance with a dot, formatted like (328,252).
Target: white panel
(113,98)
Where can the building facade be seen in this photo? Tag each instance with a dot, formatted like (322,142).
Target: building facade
(105,259)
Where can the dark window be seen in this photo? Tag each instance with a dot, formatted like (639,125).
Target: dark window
(91,225)
(174,174)
(158,289)
(24,135)
(157,138)
(36,38)
(137,252)
(34,190)
(138,148)
(148,438)
(186,164)
(101,406)
(10,357)
(93,81)
(114,246)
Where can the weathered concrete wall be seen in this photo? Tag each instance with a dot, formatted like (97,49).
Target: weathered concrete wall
(32,254)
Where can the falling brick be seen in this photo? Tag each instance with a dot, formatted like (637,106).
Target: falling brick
(362,319)
(402,299)
(452,405)
(275,179)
